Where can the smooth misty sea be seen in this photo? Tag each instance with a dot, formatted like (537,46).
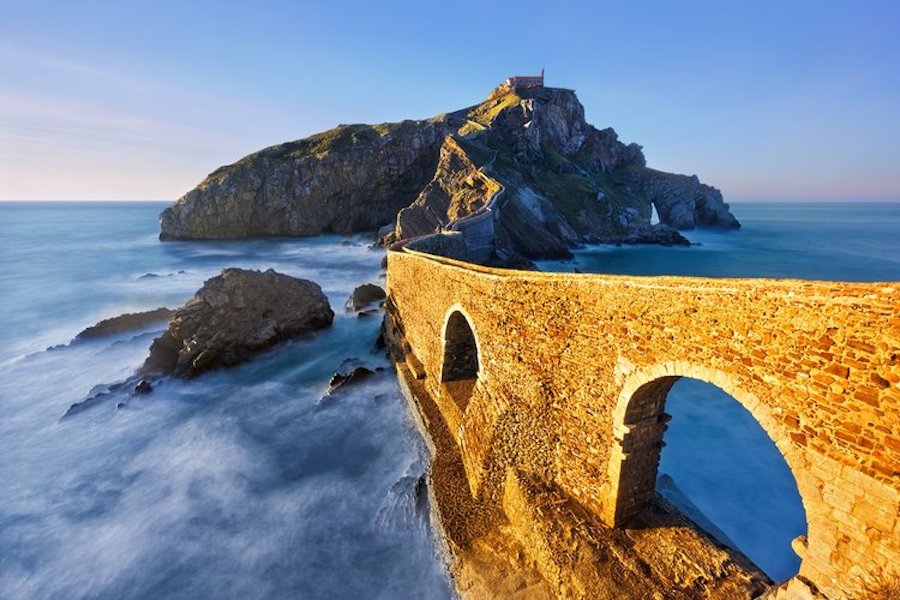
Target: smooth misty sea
(246,483)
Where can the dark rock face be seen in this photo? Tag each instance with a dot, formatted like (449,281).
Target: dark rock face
(124,323)
(234,316)
(364,295)
(352,178)
(521,175)
(344,380)
(660,234)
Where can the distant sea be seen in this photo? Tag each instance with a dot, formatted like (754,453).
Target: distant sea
(247,483)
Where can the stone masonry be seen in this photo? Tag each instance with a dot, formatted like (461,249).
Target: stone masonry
(573,371)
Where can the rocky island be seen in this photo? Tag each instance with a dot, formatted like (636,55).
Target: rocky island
(521,175)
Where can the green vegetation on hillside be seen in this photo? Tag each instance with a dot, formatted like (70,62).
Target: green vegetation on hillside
(319,145)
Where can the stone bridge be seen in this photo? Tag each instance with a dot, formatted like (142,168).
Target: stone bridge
(565,376)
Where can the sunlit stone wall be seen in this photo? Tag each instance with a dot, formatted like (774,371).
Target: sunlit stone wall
(574,369)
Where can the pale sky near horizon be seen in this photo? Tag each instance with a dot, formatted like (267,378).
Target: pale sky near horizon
(140,100)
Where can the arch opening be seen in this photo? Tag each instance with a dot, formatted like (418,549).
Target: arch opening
(705,453)
(460,368)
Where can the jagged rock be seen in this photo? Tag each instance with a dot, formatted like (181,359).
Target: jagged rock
(143,387)
(343,380)
(234,316)
(458,189)
(125,322)
(364,295)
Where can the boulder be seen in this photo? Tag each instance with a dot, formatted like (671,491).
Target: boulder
(364,295)
(234,316)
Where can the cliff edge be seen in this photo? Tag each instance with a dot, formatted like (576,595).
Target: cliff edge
(521,174)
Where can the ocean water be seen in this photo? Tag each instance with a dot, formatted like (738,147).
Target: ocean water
(244,483)
(719,457)
(852,241)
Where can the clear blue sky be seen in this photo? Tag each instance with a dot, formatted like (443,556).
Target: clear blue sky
(140,100)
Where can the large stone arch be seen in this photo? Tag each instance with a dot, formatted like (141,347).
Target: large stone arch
(639,422)
(461,351)
(459,369)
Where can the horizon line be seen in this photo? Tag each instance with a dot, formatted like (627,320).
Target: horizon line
(734,200)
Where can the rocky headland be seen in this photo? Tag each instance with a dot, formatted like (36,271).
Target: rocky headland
(521,175)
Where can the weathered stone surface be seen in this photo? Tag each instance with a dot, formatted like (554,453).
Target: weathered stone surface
(234,316)
(364,295)
(573,371)
(457,189)
(352,178)
(125,322)
(534,542)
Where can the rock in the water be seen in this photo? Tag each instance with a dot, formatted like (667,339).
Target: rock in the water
(364,295)
(656,234)
(683,202)
(143,387)
(234,316)
(343,380)
(125,322)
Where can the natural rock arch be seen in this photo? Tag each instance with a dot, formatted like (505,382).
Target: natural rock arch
(461,361)
(639,422)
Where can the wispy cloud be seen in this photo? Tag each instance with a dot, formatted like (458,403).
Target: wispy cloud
(37,119)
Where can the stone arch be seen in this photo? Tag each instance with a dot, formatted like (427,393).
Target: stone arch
(639,422)
(461,356)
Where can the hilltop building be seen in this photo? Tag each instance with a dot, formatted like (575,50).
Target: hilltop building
(526,81)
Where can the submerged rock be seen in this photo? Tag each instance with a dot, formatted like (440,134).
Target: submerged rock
(125,322)
(234,316)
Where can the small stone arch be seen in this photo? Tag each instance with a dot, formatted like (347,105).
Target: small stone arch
(461,360)
(639,422)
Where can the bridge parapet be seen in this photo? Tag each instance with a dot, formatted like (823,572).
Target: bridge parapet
(573,371)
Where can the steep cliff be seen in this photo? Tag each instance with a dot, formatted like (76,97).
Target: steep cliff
(520,175)
(351,178)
